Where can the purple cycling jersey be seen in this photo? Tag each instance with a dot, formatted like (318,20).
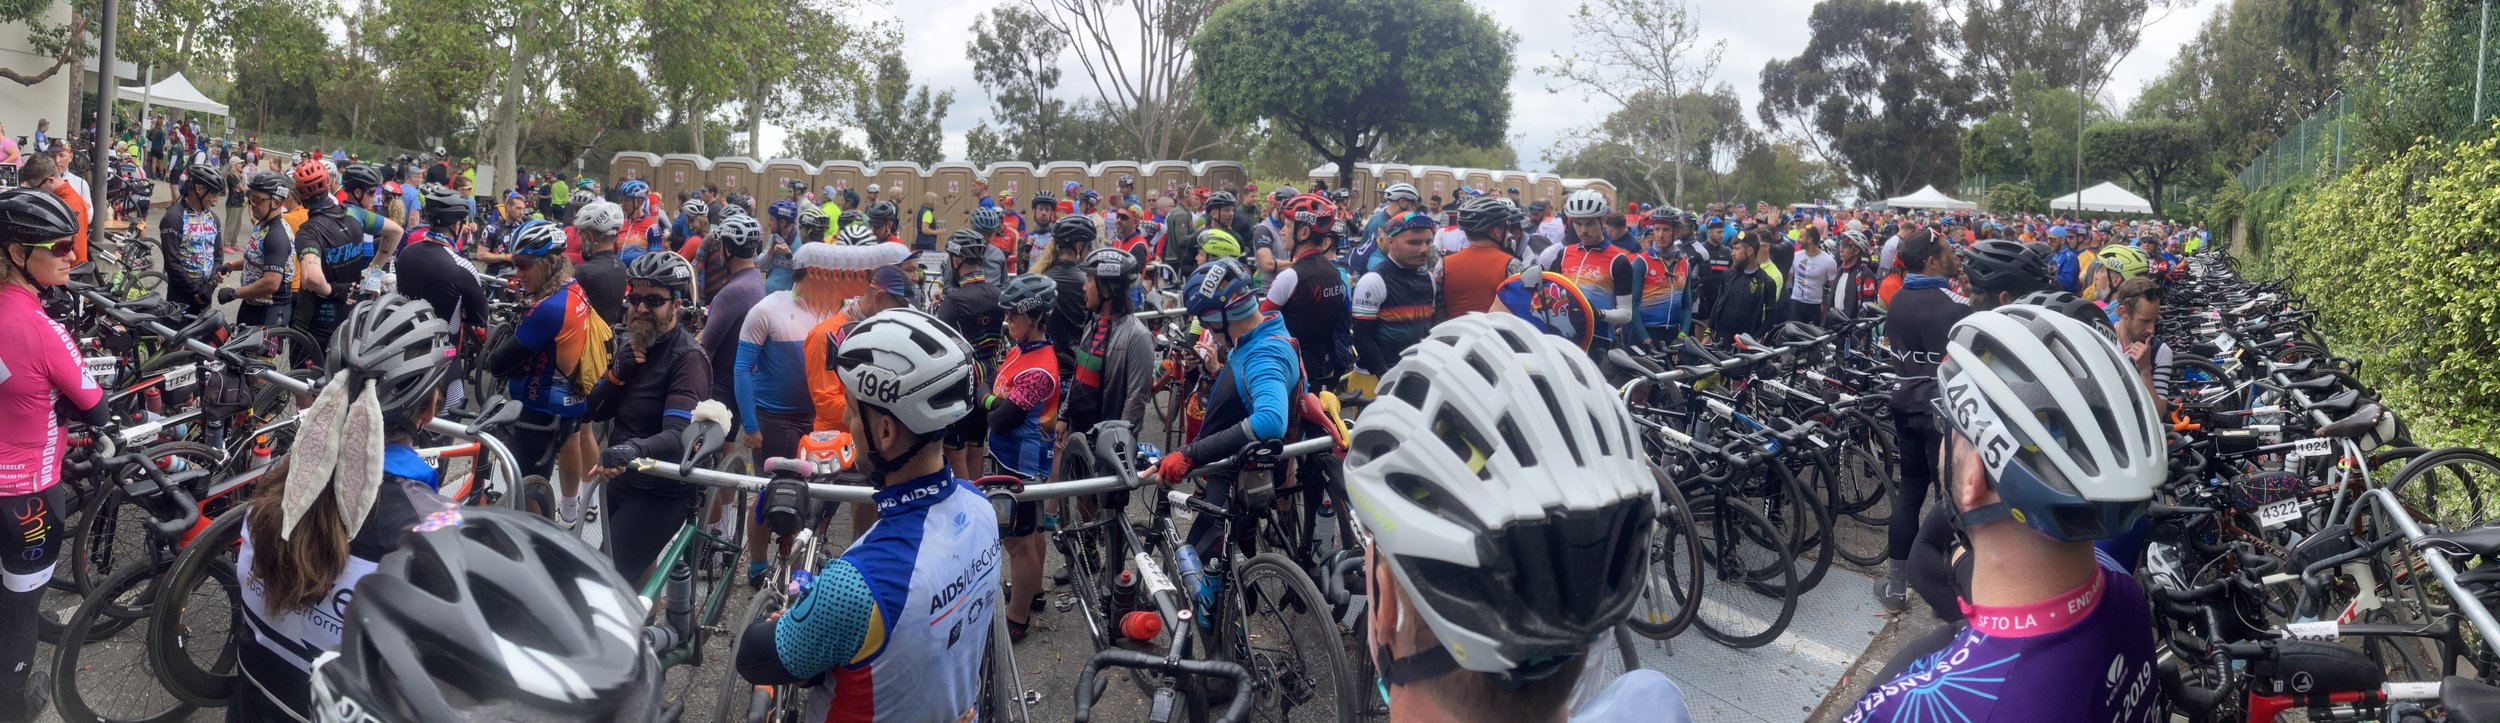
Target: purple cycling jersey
(2086,655)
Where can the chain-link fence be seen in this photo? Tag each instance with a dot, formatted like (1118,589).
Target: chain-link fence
(2446,87)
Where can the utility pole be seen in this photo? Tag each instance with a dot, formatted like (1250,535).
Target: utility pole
(99,149)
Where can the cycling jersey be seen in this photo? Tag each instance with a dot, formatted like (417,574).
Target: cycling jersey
(895,629)
(602,278)
(1311,296)
(1256,390)
(555,332)
(828,399)
(641,234)
(1115,364)
(271,250)
(190,241)
(1393,307)
(1920,318)
(1746,301)
(1065,326)
(39,367)
(1664,270)
(1605,275)
(1029,380)
(2086,655)
(727,316)
(1470,276)
(649,404)
(277,662)
(340,237)
(428,269)
(971,309)
(770,374)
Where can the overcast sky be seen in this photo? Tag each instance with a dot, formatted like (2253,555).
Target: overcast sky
(1755,31)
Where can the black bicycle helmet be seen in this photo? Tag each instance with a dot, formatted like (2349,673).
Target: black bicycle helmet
(882,212)
(665,269)
(1484,213)
(2071,306)
(358,177)
(1045,198)
(739,236)
(966,242)
(1110,265)
(442,205)
(205,176)
(501,616)
(1072,231)
(1221,199)
(398,344)
(1028,294)
(32,216)
(851,218)
(1998,265)
(271,183)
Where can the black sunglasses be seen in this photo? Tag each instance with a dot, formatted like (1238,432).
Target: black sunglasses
(652,301)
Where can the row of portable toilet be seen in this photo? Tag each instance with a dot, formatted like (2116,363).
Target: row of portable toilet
(1443,181)
(904,183)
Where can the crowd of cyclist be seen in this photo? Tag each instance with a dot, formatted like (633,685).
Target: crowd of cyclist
(813,314)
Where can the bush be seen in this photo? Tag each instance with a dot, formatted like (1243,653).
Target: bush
(2399,255)
(2013,197)
(2226,205)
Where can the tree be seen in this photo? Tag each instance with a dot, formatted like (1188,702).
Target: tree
(792,60)
(1872,95)
(451,56)
(1642,54)
(1640,148)
(2156,155)
(1345,75)
(2066,42)
(1016,60)
(1137,54)
(2013,197)
(820,143)
(904,123)
(1996,146)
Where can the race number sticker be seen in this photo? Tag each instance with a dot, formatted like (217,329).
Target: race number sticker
(2274,515)
(101,368)
(2320,630)
(141,433)
(2316,447)
(182,377)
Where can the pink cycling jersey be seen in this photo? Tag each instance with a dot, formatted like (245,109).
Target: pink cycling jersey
(39,365)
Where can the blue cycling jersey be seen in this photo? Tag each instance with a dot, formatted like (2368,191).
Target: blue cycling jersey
(2086,655)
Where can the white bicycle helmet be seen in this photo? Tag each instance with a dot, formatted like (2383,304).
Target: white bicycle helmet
(2072,443)
(601,217)
(908,364)
(1401,191)
(858,235)
(1504,486)
(1584,203)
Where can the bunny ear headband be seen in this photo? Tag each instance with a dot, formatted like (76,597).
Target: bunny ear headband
(339,443)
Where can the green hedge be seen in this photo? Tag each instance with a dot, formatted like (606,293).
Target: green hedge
(2402,256)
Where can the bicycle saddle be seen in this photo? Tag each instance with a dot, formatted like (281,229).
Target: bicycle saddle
(2297,367)
(2339,404)
(2483,539)
(206,327)
(2318,668)
(2469,701)
(2312,384)
(247,342)
(2360,422)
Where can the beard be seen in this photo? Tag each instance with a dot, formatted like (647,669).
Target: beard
(643,329)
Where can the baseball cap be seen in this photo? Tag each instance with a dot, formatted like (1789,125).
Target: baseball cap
(1415,221)
(890,280)
(1537,206)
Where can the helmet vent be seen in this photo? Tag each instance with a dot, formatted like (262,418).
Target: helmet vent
(1463,440)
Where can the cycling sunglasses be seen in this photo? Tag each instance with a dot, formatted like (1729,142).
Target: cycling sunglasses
(60,249)
(651,301)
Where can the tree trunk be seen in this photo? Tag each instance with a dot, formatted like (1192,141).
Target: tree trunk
(694,129)
(507,127)
(755,120)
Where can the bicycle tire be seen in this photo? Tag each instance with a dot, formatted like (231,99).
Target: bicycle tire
(1809,529)
(1675,551)
(169,639)
(737,698)
(1862,542)
(1725,602)
(110,526)
(296,349)
(2444,488)
(1297,596)
(72,664)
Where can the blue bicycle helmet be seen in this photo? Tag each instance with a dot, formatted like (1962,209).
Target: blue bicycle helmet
(1219,292)
(537,238)
(633,188)
(784,210)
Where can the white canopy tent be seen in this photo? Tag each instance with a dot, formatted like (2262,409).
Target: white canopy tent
(2107,198)
(174,92)
(1929,197)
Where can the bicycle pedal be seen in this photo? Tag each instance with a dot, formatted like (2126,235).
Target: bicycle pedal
(1034,697)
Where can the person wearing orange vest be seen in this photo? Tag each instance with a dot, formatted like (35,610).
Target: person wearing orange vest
(1023,404)
(885,288)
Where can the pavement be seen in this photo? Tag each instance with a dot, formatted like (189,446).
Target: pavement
(1814,672)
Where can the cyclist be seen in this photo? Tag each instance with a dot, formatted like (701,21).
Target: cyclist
(1216,243)
(1038,244)
(1070,240)
(694,225)
(1915,323)
(1310,291)
(883,219)
(1220,209)
(1024,403)
(1269,233)
(498,599)
(1747,296)
(430,268)
(1470,276)
(191,236)
(741,288)
(1810,273)
(2112,266)
(783,242)
(649,394)
(2138,308)
(1398,200)
(1395,303)
(1666,263)
(551,360)
(770,375)
(1858,283)
(642,231)
(343,242)
(1457,555)
(1115,356)
(365,189)
(1127,236)
(319,521)
(601,272)
(880,634)
(2053,446)
(269,294)
(990,224)
(971,308)
(1608,275)
(1254,394)
(47,380)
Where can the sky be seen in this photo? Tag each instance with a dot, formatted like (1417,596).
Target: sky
(935,33)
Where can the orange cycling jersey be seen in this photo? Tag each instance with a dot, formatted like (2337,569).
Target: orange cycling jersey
(831,398)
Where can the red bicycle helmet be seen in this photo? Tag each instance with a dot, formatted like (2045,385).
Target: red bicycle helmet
(312,178)
(1311,209)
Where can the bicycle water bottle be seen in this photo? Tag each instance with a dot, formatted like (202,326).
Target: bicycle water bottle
(680,591)
(799,578)
(373,280)
(1191,577)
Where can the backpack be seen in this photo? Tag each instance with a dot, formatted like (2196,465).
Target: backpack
(598,347)
(2067,269)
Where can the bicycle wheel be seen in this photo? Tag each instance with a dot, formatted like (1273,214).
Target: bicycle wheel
(739,700)
(2199,379)
(1862,541)
(1736,540)
(1867,468)
(1276,625)
(1801,512)
(192,632)
(1673,596)
(2449,488)
(98,675)
(112,529)
(290,349)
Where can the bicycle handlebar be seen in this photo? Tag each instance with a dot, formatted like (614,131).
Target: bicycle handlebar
(1238,711)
